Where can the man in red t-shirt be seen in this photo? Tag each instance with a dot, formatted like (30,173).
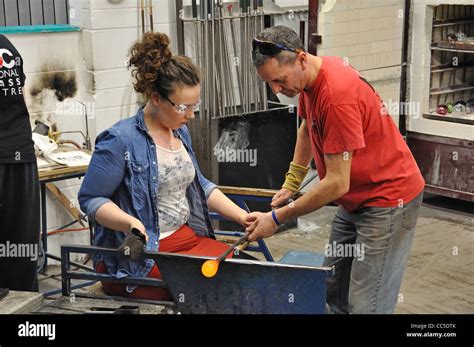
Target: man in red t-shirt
(364,166)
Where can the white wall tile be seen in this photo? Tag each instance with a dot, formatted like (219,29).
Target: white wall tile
(34,50)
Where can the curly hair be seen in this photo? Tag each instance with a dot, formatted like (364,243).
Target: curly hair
(156,69)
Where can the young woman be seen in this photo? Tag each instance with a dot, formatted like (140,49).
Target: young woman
(144,174)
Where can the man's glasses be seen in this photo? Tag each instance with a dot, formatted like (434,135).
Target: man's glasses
(270,48)
(182,108)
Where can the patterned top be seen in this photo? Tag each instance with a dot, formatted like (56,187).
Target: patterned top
(176,172)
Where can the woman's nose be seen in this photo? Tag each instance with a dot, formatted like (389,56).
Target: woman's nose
(190,114)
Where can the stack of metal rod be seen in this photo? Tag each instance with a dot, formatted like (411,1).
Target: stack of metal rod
(222,46)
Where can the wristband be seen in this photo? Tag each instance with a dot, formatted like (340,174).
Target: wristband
(275,219)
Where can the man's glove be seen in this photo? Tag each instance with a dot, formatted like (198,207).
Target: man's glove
(295,176)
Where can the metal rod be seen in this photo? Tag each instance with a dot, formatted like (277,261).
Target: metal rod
(213,61)
(251,75)
(264,84)
(220,51)
(218,60)
(150,8)
(75,286)
(78,265)
(255,77)
(244,58)
(242,239)
(235,62)
(142,10)
(206,55)
(230,79)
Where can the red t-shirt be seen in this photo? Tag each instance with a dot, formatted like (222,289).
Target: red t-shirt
(343,113)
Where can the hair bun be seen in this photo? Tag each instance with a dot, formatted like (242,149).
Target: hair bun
(146,57)
(157,45)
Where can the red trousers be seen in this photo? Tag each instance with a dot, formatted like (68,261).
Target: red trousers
(182,241)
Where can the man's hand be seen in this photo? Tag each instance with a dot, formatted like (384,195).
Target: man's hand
(262,225)
(281,197)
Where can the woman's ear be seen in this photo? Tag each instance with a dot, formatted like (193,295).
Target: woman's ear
(155,99)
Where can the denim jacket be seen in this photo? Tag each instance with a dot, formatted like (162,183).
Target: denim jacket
(124,169)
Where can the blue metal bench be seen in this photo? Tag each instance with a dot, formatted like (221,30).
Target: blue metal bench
(297,273)
(302,258)
(239,287)
(239,195)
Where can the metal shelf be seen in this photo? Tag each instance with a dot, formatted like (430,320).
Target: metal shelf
(452,89)
(449,22)
(452,50)
(466,119)
(450,67)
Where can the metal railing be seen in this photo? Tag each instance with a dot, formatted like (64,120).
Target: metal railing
(33,12)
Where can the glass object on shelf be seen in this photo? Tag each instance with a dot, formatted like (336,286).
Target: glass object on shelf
(442,110)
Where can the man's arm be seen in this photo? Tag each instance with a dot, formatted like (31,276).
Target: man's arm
(302,155)
(334,185)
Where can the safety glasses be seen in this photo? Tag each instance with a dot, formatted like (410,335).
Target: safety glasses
(270,48)
(182,108)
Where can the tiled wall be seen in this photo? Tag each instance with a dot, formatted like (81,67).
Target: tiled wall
(108,32)
(368,33)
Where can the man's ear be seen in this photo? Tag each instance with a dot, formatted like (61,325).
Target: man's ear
(303,59)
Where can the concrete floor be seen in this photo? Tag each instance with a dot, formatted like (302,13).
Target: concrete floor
(440,273)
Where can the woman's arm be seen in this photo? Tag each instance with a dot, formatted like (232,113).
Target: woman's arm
(112,217)
(103,177)
(221,204)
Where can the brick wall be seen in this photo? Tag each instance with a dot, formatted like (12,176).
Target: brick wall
(368,33)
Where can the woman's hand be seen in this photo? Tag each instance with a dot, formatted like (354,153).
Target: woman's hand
(135,223)
(243,219)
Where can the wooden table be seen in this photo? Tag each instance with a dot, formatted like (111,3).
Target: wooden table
(46,178)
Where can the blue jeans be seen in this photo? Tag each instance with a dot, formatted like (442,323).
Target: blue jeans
(369,281)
